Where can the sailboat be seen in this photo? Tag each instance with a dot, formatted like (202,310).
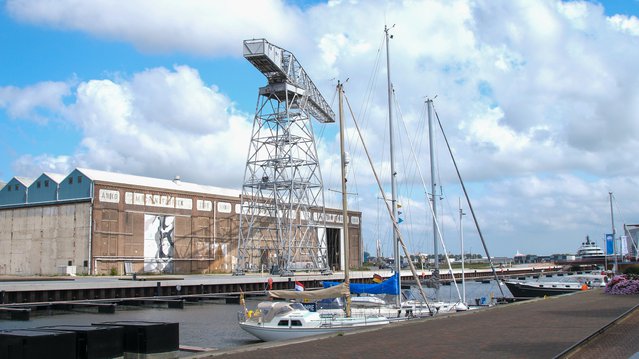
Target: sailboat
(393,212)
(289,320)
(276,320)
(410,306)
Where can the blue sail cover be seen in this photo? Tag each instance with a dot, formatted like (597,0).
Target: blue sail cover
(389,286)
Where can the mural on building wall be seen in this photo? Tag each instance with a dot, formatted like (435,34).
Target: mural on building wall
(158,243)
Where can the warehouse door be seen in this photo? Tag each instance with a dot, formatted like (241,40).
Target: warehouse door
(334,247)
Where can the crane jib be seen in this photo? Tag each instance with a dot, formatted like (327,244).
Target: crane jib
(280,66)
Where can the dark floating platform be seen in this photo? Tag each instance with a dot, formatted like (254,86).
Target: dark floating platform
(128,339)
(92,341)
(148,337)
(37,344)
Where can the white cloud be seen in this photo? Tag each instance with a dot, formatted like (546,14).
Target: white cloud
(159,123)
(538,98)
(196,26)
(628,24)
(26,102)
(33,166)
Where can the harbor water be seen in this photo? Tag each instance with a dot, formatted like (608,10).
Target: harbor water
(210,324)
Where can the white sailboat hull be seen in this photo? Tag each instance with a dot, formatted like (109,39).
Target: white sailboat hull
(268,334)
(283,321)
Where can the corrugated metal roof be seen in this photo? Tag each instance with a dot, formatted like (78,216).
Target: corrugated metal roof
(121,178)
(57,177)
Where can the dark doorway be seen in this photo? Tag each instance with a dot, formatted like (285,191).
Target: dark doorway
(333,247)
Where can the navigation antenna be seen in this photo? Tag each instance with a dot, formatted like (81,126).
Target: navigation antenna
(282,217)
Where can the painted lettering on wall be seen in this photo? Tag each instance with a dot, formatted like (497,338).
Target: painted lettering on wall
(183,203)
(224,207)
(206,206)
(107,195)
(134,198)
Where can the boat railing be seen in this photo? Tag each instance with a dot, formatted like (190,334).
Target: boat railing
(246,315)
(242,316)
(329,321)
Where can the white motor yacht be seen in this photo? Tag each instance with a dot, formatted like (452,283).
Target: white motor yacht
(565,285)
(285,320)
(589,249)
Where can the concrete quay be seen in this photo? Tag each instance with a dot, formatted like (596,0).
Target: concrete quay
(587,324)
(16,290)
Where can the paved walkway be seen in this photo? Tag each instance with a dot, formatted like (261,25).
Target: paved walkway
(620,340)
(541,328)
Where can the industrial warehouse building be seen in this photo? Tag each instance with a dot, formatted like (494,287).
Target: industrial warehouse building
(96,222)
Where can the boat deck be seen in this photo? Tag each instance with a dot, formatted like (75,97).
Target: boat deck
(583,324)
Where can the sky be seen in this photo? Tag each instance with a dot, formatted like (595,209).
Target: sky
(538,100)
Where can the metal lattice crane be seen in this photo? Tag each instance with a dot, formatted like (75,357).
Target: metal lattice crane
(282,221)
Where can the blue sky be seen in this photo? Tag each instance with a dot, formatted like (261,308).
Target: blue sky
(539,100)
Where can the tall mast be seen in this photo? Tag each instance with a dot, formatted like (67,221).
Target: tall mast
(461,237)
(347,258)
(614,239)
(398,265)
(433,185)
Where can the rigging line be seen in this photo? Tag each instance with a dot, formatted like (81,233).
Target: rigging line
(409,170)
(322,128)
(470,206)
(421,128)
(353,167)
(390,210)
(368,98)
(354,150)
(437,228)
(372,81)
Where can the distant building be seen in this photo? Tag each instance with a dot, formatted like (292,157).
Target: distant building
(45,188)
(101,222)
(15,191)
(561,257)
(504,261)
(631,232)
(519,258)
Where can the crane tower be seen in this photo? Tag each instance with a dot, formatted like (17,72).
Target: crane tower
(282,219)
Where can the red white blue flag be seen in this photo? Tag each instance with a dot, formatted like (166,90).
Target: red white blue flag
(299,286)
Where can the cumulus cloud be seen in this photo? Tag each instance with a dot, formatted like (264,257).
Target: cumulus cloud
(158,123)
(29,102)
(629,24)
(544,94)
(539,105)
(195,26)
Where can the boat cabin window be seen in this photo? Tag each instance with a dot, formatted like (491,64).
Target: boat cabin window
(283,323)
(296,323)
(298,306)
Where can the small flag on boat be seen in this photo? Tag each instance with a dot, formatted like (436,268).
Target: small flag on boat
(377,278)
(399,213)
(400,220)
(399,205)
(299,286)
